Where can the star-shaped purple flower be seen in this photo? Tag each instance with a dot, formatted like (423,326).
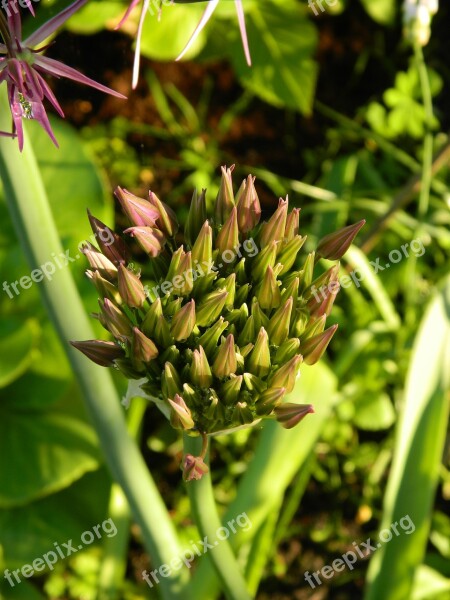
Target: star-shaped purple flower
(22,66)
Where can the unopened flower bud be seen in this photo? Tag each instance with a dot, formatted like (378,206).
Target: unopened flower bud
(193,467)
(258,361)
(150,239)
(268,291)
(273,230)
(315,346)
(183,322)
(200,370)
(100,352)
(196,217)
(225,197)
(225,363)
(286,375)
(334,245)
(130,288)
(289,414)
(144,349)
(248,206)
(181,417)
(228,236)
(140,212)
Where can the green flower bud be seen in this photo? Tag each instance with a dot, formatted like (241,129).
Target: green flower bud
(273,230)
(315,326)
(104,287)
(200,370)
(261,319)
(193,468)
(279,324)
(170,381)
(268,400)
(254,384)
(183,322)
(225,363)
(242,415)
(202,248)
(258,361)
(228,236)
(307,273)
(130,288)
(315,346)
(212,335)
(116,321)
(289,414)
(292,223)
(285,376)
(167,220)
(98,261)
(248,207)
(289,253)
(268,292)
(196,217)
(266,258)
(181,417)
(229,392)
(144,349)
(211,307)
(225,198)
(287,350)
(151,318)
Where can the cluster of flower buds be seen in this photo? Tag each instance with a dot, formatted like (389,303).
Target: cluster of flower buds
(417,15)
(217,320)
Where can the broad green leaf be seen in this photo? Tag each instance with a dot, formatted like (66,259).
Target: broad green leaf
(430,585)
(95,16)
(28,532)
(164,39)
(417,455)
(381,11)
(282,44)
(17,348)
(374,411)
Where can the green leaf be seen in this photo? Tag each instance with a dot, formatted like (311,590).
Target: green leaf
(17,348)
(430,585)
(417,455)
(381,11)
(164,39)
(95,16)
(28,532)
(282,45)
(374,411)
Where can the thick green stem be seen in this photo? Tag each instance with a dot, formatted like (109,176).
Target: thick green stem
(204,511)
(27,200)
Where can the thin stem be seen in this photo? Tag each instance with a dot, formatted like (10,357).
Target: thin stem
(204,510)
(427,159)
(28,204)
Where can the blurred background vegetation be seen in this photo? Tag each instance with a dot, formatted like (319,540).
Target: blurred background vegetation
(331,113)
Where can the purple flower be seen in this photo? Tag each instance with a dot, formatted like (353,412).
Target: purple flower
(22,65)
(212,4)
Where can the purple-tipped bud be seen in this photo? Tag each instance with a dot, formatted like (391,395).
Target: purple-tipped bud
(144,350)
(287,350)
(273,230)
(98,261)
(196,217)
(151,318)
(314,347)
(289,414)
(211,307)
(183,322)
(322,300)
(334,245)
(193,467)
(167,220)
(279,324)
(140,212)
(104,287)
(258,361)
(268,291)
(202,248)
(225,197)
(292,223)
(130,288)
(225,363)
(228,236)
(100,352)
(181,417)
(112,246)
(248,206)
(116,321)
(200,370)
(150,239)
(286,375)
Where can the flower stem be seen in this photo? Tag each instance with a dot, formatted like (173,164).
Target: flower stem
(204,510)
(27,200)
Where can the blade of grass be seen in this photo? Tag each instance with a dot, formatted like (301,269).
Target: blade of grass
(417,455)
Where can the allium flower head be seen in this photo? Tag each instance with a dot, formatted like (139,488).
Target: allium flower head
(22,66)
(216,321)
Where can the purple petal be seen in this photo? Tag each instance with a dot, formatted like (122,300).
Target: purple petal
(241,19)
(50,96)
(54,67)
(52,25)
(133,4)
(212,5)
(40,115)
